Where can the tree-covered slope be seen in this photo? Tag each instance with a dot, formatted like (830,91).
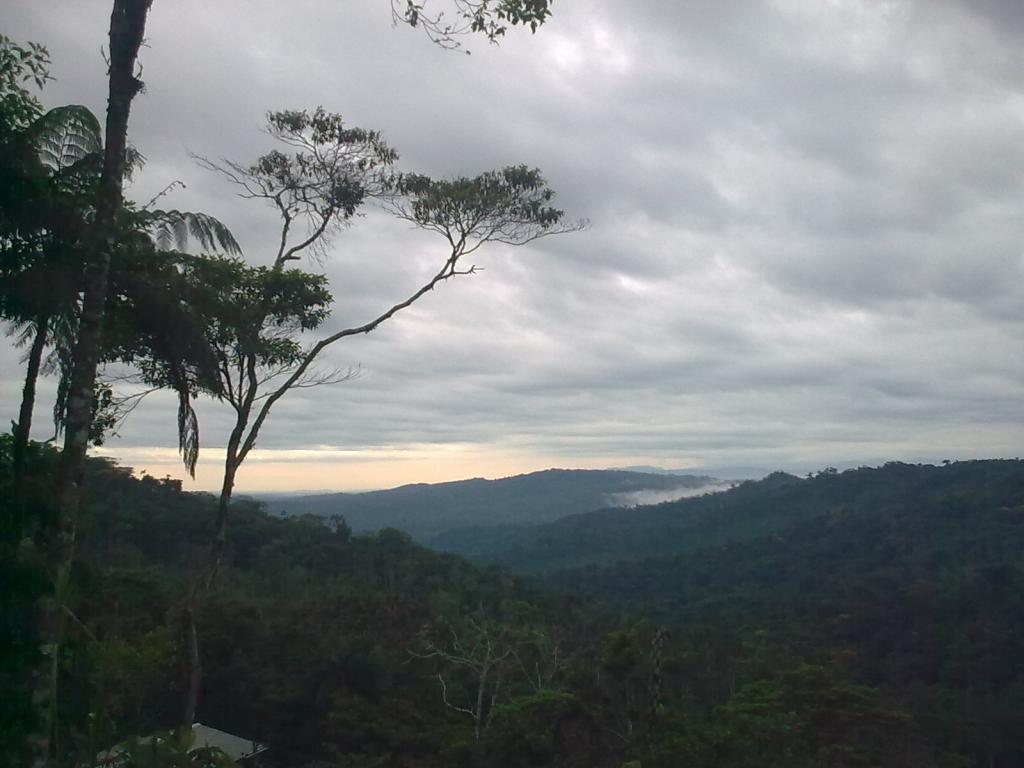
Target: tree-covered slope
(880,631)
(749,511)
(315,641)
(834,530)
(913,575)
(424,510)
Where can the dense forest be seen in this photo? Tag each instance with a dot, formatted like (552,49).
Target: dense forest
(877,628)
(913,573)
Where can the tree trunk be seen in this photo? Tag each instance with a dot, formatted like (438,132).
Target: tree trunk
(205,580)
(127,27)
(28,401)
(195,668)
(45,679)
(223,503)
(479,714)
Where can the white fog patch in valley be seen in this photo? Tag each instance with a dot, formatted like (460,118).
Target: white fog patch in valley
(646,497)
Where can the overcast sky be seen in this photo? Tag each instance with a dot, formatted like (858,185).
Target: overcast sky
(807,220)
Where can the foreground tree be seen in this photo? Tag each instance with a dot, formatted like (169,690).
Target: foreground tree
(322,185)
(127,29)
(317,189)
(54,163)
(44,214)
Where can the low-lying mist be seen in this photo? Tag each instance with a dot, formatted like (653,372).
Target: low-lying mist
(641,498)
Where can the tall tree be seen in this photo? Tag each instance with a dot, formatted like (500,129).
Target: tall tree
(332,171)
(49,165)
(319,186)
(127,29)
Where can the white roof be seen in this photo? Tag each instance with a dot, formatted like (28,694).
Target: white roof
(234,747)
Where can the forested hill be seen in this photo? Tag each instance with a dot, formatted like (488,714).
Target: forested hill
(914,575)
(873,621)
(865,544)
(424,510)
(774,508)
(315,641)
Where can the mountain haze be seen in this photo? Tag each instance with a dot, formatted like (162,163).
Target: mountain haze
(426,510)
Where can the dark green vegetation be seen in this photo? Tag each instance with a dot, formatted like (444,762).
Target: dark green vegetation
(859,619)
(769,508)
(333,648)
(912,575)
(430,512)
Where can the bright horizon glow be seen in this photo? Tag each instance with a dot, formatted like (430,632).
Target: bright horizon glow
(310,470)
(334,470)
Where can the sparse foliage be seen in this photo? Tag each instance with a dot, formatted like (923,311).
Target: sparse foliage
(327,171)
(473,662)
(490,18)
(20,65)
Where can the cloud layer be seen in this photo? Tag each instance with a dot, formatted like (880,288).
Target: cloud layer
(805,243)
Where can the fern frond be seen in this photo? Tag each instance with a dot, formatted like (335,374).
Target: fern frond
(178,229)
(65,135)
(87,168)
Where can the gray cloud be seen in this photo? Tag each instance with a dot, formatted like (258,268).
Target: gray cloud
(805,242)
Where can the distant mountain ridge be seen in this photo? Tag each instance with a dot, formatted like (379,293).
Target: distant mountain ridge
(725,473)
(428,510)
(751,511)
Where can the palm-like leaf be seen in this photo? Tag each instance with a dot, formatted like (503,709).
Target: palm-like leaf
(174,229)
(188,432)
(64,136)
(65,146)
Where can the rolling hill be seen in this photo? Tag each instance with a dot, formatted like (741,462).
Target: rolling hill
(425,511)
(775,507)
